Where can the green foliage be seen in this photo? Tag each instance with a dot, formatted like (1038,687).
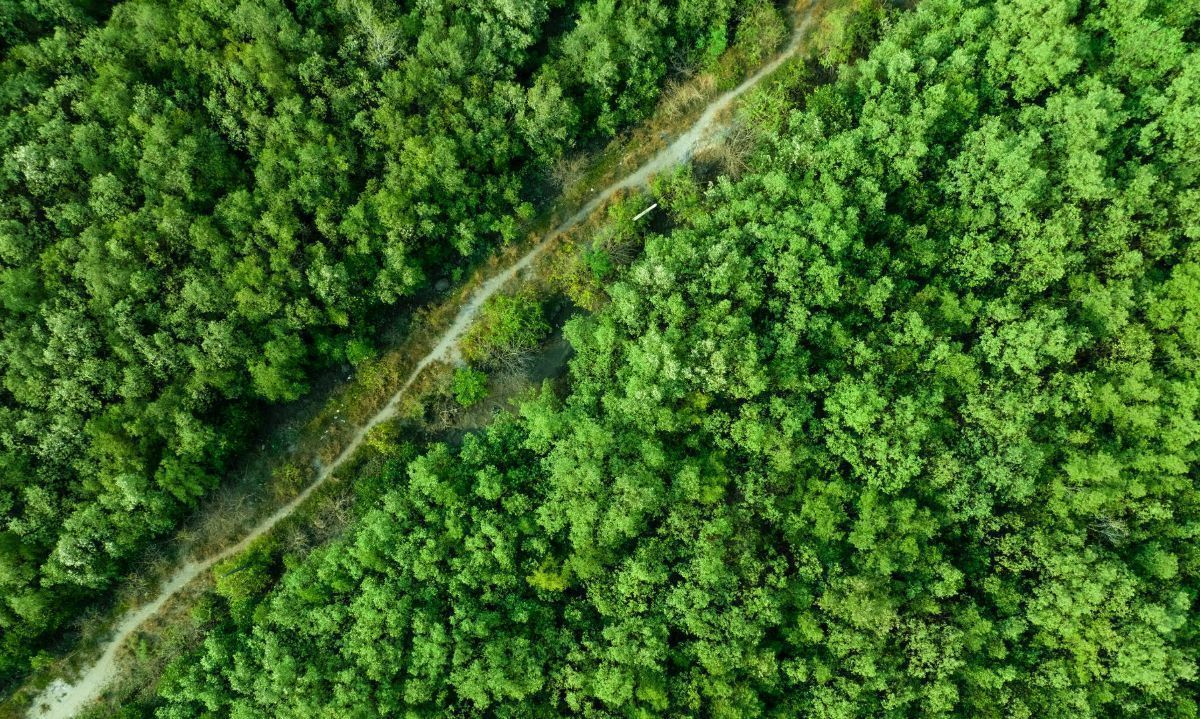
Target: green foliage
(243,579)
(851,29)
(548,577)
(904,422)
(759,35)
(599,262)
(469,386)
(359,351)
(508,329)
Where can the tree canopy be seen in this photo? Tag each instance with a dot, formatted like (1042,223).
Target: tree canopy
(903,422)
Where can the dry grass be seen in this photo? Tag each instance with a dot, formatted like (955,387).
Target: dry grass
(730,156)
(331,515)
(568,170)
(682,98)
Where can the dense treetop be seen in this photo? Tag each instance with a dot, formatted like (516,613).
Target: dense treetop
(901,423)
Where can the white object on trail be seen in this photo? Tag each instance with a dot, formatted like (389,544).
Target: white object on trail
(644,212)
(61,700)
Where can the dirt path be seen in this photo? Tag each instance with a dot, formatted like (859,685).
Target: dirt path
(62,700)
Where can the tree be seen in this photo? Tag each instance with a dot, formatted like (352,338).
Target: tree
(469,386)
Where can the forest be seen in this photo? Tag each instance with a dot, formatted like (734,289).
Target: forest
(894,415)
(203,203)
(901,421)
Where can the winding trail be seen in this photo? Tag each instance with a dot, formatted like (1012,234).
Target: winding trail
(61,700)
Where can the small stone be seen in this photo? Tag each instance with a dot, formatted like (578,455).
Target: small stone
(442,285)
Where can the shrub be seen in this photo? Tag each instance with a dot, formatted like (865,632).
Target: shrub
(509,328)
(469,386)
